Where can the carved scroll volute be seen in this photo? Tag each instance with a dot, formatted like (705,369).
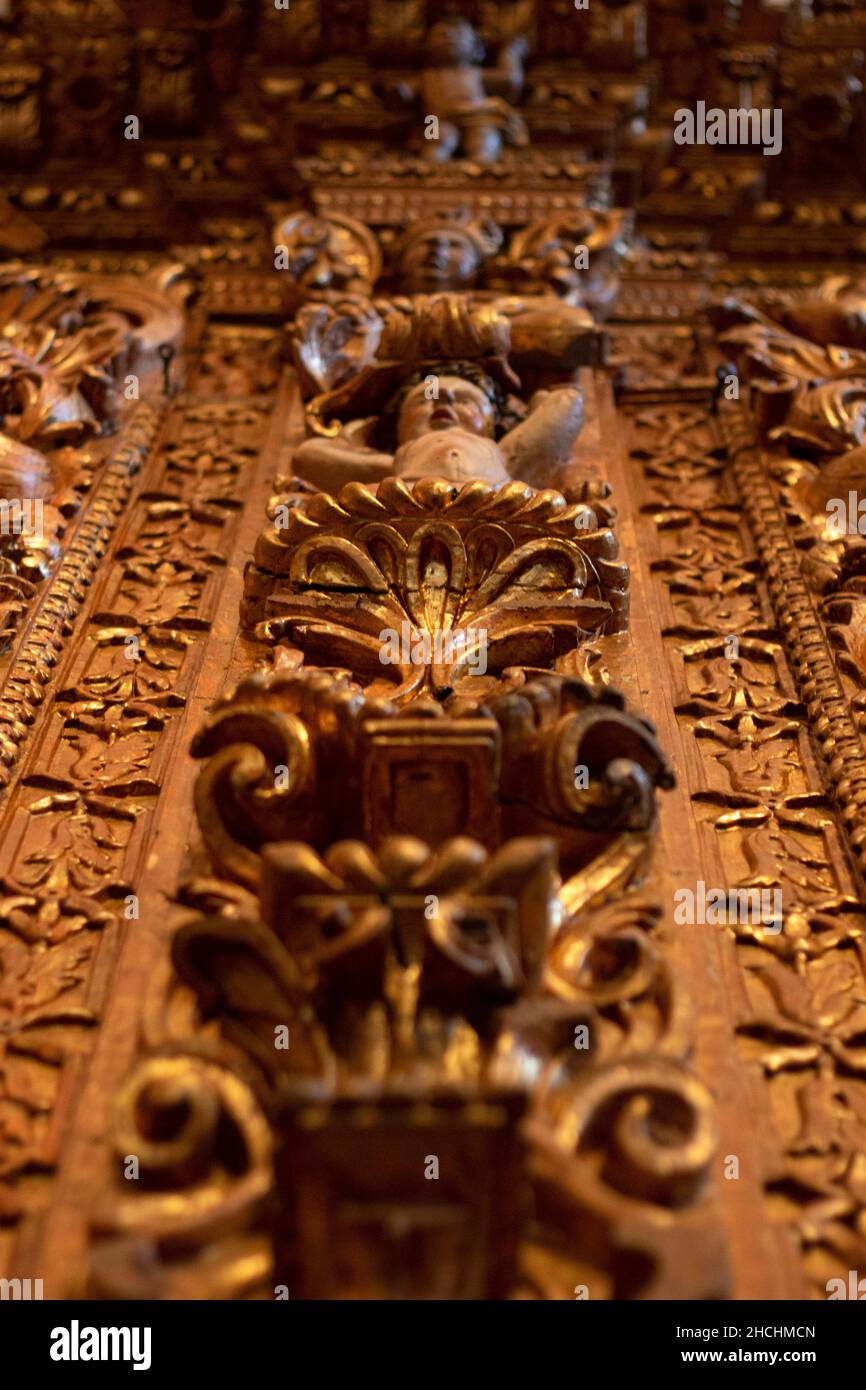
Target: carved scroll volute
(643,1136)
(257,784)
(624,766)
(576,762)
(282,762)
(212,1110)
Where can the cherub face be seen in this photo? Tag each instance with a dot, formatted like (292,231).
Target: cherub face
(439,260)
(459,405)
(452,41)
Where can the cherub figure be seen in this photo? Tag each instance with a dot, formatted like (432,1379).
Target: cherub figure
(449,420)
(444,251)
(434,393)
(454,87)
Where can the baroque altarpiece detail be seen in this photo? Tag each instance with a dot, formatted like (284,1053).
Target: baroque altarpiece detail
(430,576)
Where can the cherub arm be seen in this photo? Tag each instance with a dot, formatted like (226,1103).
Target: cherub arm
(331,463)
(550,335)
(507,78)
(542,443)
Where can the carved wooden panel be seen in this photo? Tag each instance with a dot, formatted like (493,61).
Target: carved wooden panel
(432,666)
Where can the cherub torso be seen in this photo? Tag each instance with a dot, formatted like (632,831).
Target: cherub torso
(446,89)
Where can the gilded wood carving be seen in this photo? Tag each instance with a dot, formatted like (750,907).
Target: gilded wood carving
(432,665)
